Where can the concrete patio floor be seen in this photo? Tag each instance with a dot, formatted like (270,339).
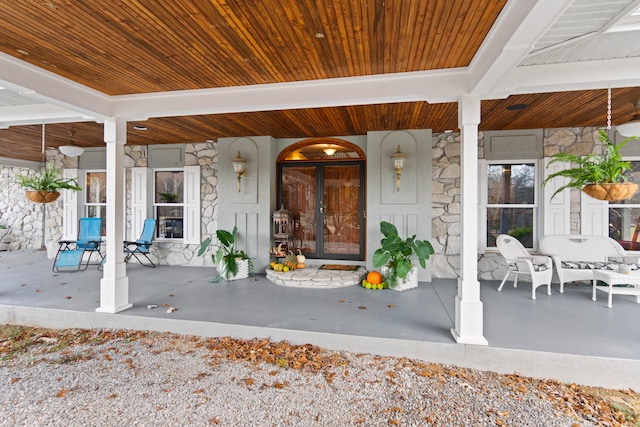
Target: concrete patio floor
(566,336)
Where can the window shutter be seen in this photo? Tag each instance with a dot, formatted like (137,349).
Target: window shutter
(192,205)
(139,198)
(594,216)
(70,208)
(556,211)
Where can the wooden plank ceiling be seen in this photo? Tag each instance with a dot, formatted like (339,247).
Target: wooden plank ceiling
(142,46)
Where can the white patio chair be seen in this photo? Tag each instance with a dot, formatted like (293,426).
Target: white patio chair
(520,261)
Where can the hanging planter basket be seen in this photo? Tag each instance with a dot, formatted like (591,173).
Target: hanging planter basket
(611,192)
(42,196)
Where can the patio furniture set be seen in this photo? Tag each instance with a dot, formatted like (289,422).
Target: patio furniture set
(598,259)
(76,255)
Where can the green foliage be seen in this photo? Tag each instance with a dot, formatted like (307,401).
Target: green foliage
(397,253)
(169,197)
(226,252)
(48,180)
(593,168)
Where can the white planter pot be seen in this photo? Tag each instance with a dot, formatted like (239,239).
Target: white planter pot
(409,282)
(243,270)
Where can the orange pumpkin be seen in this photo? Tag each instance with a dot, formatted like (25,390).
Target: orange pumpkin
(374,277)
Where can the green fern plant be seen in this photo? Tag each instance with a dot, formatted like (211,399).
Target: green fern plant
(47,181)
(608,167)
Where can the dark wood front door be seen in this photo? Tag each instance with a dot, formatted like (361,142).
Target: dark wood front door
(327,203)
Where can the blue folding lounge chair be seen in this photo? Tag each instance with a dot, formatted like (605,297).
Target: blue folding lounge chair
(142,246)
(71,253)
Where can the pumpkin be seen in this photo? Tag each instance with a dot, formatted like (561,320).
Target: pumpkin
(374,278)
(290,261)
(301,265)
(301,258)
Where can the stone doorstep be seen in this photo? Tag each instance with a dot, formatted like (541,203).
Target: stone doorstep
(312,277)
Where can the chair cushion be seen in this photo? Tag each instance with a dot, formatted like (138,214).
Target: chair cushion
(536,267)
(590,265)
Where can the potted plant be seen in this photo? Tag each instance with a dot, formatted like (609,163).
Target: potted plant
(231,263)
(46,187)
(395,257)
(600,176)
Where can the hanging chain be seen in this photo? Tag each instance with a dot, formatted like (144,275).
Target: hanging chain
(44,158)
(609,108)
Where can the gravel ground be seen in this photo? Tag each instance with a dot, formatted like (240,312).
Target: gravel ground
(152,379)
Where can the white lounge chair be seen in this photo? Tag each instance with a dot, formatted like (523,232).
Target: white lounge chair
(520,261)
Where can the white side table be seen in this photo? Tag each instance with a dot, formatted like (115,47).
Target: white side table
(612,278)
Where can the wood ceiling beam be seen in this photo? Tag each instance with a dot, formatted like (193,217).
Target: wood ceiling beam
(431,86)
(520,24)
(42,85)
(616,73)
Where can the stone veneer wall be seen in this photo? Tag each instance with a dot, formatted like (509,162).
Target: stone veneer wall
(25,218)
(580,141)
(205,155)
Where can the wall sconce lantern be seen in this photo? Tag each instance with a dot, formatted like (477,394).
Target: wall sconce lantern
(398,163)
(238,167)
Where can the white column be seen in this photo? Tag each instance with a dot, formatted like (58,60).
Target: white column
(114,286)
(468,307)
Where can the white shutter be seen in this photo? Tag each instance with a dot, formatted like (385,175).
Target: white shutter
(556,211)
(70,208)
(191,225)
(594,216)
(139,198)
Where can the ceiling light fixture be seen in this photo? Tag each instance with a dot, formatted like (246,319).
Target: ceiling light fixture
(71,149)
(329,151)
(631,128)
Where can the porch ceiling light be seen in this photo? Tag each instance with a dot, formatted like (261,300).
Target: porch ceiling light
(329,151)
(631,128)
(239,164)
(398,164)
(71,149)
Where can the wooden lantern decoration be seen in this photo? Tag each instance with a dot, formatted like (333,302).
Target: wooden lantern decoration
(282,224)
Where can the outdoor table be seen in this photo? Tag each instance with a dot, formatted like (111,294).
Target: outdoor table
(612,278)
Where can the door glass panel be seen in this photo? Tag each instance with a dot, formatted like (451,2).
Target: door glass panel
(341,227)
(299,197)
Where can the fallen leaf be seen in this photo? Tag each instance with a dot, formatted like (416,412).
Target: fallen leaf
(172,309)
(14,380)
(62,393)
(68,297)
(362,307)
(112,396)
(107,357)
(171,295)
(152,306)
(37,290)
(199,391)
(391,306)
(24,284)
(341,300)
(278,385)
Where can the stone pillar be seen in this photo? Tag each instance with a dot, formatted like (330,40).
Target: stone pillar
(468,307)
(114,286)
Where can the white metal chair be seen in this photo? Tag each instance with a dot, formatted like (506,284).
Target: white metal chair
(520,261)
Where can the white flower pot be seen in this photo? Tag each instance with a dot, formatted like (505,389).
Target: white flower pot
(243,270)
(409,282)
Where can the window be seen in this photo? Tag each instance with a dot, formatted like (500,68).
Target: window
(168,203)
(95,201)
(624,215)
(511,201)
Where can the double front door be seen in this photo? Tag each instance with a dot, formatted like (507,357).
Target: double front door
(327,203)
